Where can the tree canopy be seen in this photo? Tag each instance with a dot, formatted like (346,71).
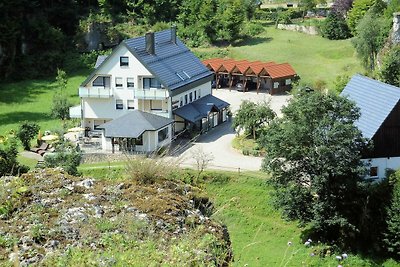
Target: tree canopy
(313,154)
(253,117)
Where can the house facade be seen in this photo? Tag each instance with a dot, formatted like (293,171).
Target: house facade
(379,105)
(155,74)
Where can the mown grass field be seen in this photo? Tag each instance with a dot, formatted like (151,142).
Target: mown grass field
(313,57)
(258,233)
(31,100)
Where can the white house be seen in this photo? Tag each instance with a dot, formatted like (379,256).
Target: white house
(379,105)
(154,74)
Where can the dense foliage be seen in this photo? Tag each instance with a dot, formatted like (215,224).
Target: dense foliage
(335,27)
(8,157)
(392,239)
(26,132)
(313,154)
(65,156)
(253,117)
(37,34)
(61,105)
(390,70)
(357,12)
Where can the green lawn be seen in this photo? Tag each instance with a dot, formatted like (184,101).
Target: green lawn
(313,57)
(31,100)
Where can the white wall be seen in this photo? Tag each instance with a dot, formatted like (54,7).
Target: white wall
(204,89)
(383,164)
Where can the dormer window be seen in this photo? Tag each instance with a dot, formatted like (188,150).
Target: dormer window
(124,61)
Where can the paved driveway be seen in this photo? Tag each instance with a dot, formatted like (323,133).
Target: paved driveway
(217,142)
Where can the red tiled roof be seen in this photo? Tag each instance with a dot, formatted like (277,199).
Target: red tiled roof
(255,67)
(280,70)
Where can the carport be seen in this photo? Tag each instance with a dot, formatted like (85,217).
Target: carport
(276,78)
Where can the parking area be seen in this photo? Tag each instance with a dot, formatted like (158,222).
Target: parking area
(217,142)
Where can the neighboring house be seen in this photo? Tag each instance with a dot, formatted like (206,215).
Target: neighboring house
(154,74)
(379,104)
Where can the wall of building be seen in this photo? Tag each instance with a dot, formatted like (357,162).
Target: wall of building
(202,90)
(383,164)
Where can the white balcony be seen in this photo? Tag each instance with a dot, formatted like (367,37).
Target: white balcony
(96,92)
(156,94)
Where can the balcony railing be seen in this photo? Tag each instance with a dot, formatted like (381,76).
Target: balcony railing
(96,92)
(162,113)
(150,94)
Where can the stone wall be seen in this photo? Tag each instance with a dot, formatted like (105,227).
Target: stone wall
(312,30)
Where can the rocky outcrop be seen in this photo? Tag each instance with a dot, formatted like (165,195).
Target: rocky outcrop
(46,213)
(396,28)
(311,30)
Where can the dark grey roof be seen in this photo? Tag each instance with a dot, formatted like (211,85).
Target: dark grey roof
(173,64)
(99,60)
(374,98)
(133,124)
(200,108)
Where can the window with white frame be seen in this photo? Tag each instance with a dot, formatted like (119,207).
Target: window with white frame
(119,104)
(118,82)
(163,134)
(130,82)
(124,61)
(276,85)
(131,104)
(288,81)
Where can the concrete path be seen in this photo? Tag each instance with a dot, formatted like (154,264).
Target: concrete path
(31,155)
(217,142)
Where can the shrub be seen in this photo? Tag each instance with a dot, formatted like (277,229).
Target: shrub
(65,157)
(335,27)
(252,29)
(26,131)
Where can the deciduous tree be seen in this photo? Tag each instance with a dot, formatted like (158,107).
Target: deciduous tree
(313,155)
(390,71)
(253,117)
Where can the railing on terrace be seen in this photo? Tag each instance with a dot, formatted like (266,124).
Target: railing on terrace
(96,92)
(150,93)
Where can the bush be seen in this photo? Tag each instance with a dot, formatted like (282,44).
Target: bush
(335,27)
(252,29)
(8,157)
(66,157)
(26,131)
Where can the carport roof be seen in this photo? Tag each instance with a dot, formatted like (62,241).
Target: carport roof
(244,67)
(133,124)
(200,108)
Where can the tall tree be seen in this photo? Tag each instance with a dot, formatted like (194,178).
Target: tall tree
(369,39)
(313,155)
(61,105)
(392,239)
(357,12)
(390,71)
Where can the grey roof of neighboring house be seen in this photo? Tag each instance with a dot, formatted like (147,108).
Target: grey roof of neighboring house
(99,60)
(374,98)
(200,108)
(133,124)
(173,64)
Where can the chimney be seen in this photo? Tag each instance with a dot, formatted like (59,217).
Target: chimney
(150,43)
(173,34)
